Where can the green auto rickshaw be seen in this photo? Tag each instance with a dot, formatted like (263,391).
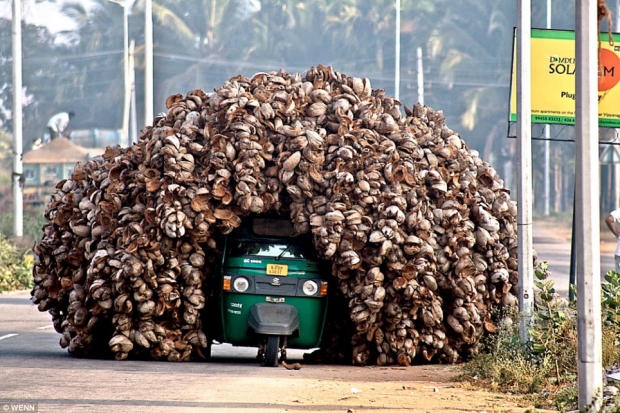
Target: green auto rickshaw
(273,289)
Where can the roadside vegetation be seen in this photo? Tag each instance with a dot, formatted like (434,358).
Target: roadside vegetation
(15,267)
(15,253)
(34,219)
(16,256)
(544,370)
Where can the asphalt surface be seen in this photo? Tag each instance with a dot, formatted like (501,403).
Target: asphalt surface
(35,369)
(552,243)
(35,372)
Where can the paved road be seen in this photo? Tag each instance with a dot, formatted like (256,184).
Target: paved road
(552,243)
(34,370)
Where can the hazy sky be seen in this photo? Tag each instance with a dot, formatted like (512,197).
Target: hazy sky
(44,13)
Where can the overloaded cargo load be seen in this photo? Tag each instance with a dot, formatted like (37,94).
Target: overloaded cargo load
(419,231)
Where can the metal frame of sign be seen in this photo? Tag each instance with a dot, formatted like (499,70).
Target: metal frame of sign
(553,78)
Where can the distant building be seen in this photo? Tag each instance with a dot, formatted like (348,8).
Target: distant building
(50,163)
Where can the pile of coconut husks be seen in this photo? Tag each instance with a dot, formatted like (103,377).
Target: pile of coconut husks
(420,232)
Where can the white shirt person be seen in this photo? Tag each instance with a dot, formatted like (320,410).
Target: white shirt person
(58,124)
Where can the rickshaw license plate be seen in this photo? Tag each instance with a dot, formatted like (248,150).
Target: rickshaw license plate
(277,269)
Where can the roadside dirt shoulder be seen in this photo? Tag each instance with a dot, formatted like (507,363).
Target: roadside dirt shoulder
(394,389)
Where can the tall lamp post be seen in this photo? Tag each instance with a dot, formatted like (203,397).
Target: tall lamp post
(524,167)
(126,77)
(148,62)
(397,54)
(587,188)
(18,169)
(587,191)
(547,137)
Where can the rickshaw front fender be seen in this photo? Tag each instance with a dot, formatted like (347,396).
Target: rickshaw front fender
(273,319)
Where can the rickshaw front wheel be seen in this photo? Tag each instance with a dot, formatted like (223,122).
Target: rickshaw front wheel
(271,351)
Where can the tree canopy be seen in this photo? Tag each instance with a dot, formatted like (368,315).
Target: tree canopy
(201,43)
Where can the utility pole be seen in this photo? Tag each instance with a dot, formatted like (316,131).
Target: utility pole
(587,214)
(615,165)
(420,77)
(148,62)
(133,136)
(126,76)
(18,168)
(524,167)
(126,80)
(397,54)
(547,143)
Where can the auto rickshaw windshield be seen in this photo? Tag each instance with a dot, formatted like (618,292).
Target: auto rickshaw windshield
(242,248)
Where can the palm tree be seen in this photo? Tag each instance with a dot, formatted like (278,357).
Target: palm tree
(194,40)
(94,81)
(201,43)
(471,47)
(41,65)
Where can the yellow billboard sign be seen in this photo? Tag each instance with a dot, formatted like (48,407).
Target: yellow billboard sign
(553,79)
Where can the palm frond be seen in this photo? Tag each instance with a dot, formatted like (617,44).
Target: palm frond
(175,24)
(76,11)
(449,65)
(470,116)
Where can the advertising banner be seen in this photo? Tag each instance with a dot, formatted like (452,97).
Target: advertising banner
(553,79)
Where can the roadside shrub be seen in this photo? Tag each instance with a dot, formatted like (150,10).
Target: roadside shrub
(545,368)
(505,366)
(34,220)
(554,328)
(610,306)
(15,267)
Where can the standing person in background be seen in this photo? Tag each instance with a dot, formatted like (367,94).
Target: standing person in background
(57,125)
(610,220)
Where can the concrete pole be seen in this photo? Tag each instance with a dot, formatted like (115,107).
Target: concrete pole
(587,184)
(420,77)
(18,168)
(524,167)
(615,163)
(148,62)
(397,54)
(126,77)
(127,93)
(547,142)
(133,137)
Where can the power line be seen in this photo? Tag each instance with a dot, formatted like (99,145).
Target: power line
(73,57)
(220,62)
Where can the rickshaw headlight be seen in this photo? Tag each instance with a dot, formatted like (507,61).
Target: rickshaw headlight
(241,284)
(310,287)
